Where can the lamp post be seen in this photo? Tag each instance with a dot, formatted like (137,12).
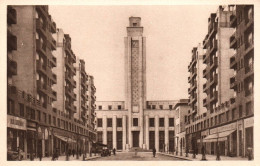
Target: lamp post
(218,152)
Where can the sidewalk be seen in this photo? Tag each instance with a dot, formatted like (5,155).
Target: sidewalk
(208,157)
(71,158)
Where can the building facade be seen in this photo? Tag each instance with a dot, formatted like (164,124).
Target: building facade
(229,85)
(136,122)
(41,94)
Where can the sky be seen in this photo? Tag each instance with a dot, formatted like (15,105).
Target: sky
(98,32)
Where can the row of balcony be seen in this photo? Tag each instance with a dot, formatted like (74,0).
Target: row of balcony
(11,15)
(69,92)
(46,90)
(214,96)
(46,71)
(70,106)
(214,63)
(69,78)
(213,46)
(70,52)
(40,27)
(70,65)
(213,29)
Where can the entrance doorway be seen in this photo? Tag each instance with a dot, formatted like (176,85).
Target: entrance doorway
(135,138)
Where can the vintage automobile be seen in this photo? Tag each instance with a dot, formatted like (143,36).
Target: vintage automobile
(105,152)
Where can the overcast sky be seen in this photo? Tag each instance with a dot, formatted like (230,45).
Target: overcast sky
(171,32)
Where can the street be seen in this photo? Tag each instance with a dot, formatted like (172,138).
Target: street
(141,156)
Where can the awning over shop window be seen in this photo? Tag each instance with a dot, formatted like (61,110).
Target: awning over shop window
(65,139)
(218,136)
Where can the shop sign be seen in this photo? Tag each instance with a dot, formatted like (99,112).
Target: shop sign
(231,126)
(249,122)
(16,122)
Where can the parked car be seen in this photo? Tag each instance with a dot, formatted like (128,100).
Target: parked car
(105,152)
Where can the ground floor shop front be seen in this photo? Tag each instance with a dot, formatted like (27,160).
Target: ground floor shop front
(233,139)
(28,140)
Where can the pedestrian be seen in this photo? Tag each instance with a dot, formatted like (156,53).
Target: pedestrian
(40,155)
(203,153)
(69,152)
(79,152)
(114,151)
(154,152)
(73,152)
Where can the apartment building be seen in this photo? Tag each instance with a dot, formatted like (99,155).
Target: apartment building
(242,82)
(226,123)
(30,94)
(43,111)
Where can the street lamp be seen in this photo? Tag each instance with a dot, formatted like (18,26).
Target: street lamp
(218,152)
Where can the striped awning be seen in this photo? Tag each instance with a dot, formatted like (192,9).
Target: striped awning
(218,136)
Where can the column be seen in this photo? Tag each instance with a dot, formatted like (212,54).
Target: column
(157,133)
(147,132)
(124,132)
(104,120)
(114,131)
(25,145)
(166,132)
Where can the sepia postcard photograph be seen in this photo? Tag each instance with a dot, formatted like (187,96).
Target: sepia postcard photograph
(92,82)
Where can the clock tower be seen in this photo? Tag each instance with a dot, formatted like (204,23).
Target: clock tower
(135,82)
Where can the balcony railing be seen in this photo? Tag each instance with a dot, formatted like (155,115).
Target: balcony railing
(232,82)
(214,46)
(233,21)
(40,67)
(11,67)
(11,41)
(249,68)
(233,61)
(40,47)
(233,41)
(11,15)
(40,27)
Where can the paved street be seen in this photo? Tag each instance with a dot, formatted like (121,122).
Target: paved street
(141,156)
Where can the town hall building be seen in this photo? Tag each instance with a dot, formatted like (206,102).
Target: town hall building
(136,122)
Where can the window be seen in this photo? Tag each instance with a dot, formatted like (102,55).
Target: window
(109,122)
(54,121)
(58,122)
(248,108)
(110,107)
(134,24)
(171,122)
(32,114)
(49,119)
(99,122)
(119,122)
(161,107)
(151,122)
(45,117)
(100,136)
(170,107)
(135,121)
(28,112)
(10,106)
(161,122)
(148,106)
(21,109)
(211,121)
(227,116)
(119,107)
(153,107)
(100,107)
(240,111)
(233,113)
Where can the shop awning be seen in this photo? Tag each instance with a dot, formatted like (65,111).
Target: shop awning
(65,139)
(218,136)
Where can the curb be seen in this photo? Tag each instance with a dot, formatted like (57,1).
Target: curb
(176,157)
